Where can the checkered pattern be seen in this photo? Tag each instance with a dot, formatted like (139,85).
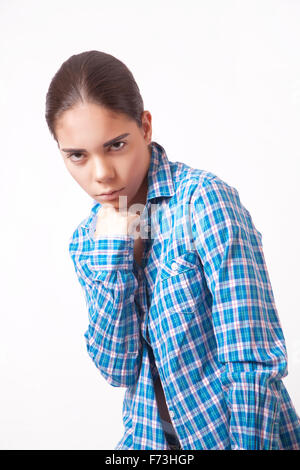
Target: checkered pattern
(203,300)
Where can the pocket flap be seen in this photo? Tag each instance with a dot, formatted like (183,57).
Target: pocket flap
(178,264)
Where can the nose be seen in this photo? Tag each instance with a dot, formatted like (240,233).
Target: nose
(102,170)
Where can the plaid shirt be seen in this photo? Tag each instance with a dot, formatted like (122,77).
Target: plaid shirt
(202,299)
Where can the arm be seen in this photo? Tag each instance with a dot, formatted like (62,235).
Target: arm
(250,341)
(104,267)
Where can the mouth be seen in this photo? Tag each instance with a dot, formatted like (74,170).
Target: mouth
(110,195)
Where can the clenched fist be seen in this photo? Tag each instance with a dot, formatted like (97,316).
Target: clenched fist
(110,221)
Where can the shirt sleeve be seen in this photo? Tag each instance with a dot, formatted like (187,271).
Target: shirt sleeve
(250,343)
(104,267)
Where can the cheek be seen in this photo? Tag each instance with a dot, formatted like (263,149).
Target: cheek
(78,176)
(75,174)
(135,173)
(137,167)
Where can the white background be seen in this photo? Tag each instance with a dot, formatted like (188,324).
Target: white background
(222,82)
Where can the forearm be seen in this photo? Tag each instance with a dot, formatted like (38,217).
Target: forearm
(253,396)
(105,271)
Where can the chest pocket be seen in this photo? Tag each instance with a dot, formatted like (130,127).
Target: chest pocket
(174,314)
(179,283)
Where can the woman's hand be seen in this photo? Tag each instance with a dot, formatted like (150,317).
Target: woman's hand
(111,221)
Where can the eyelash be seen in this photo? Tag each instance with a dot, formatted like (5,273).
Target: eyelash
(117,150)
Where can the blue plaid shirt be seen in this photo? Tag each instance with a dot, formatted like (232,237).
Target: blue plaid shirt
(202,299)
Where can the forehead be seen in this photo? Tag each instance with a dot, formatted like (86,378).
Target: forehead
(86,122)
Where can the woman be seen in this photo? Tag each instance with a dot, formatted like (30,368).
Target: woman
(181,309)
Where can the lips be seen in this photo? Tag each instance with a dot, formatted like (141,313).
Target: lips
(108,192)
(112,195)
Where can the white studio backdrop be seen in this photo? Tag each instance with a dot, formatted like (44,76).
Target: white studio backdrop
(222,82)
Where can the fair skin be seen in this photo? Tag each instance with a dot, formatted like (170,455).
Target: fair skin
(97,169)
(122,165)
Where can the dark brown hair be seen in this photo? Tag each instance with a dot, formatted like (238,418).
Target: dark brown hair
(96,77)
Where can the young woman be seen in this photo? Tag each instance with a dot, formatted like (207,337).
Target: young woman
(180,305)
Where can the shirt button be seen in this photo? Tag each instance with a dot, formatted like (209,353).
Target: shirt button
(172,413)
(174,266)
(132,298)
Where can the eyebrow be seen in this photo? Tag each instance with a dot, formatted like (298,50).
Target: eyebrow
(106,144)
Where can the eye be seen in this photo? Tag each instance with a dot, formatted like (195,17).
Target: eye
(120,142)
(78,157)
(73,154)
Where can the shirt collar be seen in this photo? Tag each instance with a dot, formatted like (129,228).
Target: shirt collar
(160,181)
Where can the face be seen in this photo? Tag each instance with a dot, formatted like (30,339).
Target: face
(84,136)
